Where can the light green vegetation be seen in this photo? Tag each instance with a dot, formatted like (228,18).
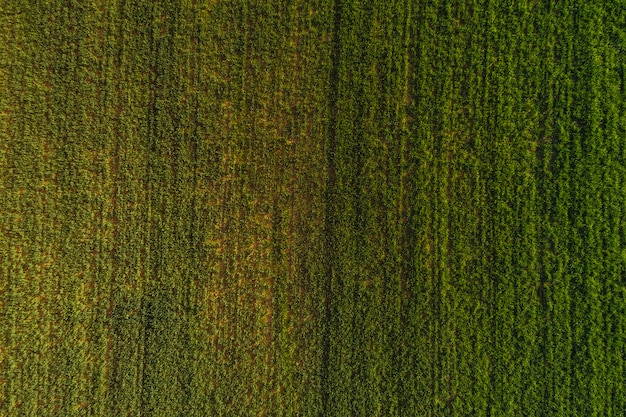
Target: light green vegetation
(312,208)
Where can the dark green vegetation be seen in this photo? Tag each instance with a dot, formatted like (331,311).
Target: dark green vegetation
(312,208)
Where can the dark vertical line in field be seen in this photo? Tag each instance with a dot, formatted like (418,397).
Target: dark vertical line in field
(358,356)
(70,185)
(545,191)
(99,383)
(579,112)
(44,240)
(560,231)
(615,331)
(8,312)
(420,221)
(57,122)
(145,252)
(220,349)
(273,317)
(113,358)
(451,137)
(482,143)
(591,154)
(329,220)
(147,318)
(247,79)
(49,220)
(402,365)
(434,221)
(191,283)
(292,141)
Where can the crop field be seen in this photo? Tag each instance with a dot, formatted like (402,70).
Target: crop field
(312,208)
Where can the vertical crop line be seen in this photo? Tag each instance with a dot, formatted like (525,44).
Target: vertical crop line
(404,358)
(190,276)
(112,357)
(329,221)
(7,318)
(490,293)
(146,304)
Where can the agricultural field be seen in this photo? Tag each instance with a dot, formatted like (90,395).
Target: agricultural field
(312,208)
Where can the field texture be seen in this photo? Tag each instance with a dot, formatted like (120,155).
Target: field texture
(312,208)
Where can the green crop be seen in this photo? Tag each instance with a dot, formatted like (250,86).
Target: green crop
(312,208)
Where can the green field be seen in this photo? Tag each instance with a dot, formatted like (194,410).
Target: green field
(312,208)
